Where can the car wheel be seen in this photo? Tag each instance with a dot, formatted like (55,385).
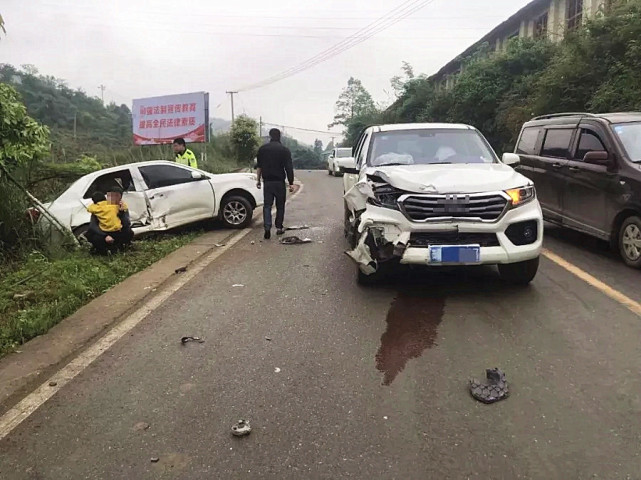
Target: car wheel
(236,212)
(329,171)
(630,242)
(521,273)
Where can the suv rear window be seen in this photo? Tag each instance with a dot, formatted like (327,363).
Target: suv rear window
(527,142)
(557,142)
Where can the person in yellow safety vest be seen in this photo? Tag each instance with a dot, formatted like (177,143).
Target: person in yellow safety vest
(184,156)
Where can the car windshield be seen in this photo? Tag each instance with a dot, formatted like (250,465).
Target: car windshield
(630,136)
(344,153)
(429,147)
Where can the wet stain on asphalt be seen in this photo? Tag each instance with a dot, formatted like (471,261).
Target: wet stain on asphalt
(412,324)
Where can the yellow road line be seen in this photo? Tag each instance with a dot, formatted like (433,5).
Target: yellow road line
(634,307)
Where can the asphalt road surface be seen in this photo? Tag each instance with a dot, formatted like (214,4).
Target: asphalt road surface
(340,381)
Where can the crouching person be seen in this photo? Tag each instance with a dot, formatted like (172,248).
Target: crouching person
(110,226)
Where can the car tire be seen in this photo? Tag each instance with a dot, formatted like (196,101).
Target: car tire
(630,242)
(329,171)
(520,273)
(236,212)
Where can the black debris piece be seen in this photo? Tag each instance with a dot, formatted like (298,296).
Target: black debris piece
(181,270)
(191,339)
(495,390)
(293,240)
(297,227)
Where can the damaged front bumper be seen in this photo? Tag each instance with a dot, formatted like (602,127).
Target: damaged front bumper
(386,235)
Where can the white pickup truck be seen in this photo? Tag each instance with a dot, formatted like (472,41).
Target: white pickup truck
(437,195)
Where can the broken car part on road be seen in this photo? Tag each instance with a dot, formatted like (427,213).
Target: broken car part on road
(297,227)
(184,340)
(241,428)
(495,390)
(293,240)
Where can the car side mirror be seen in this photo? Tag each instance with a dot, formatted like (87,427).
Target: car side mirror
(197,175)
(597,158)
(351,171)
(511,159)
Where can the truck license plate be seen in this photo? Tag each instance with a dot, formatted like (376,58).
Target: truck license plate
(455,254)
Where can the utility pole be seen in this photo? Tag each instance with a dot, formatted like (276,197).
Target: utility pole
(102,89)
(260,128)
(75,122)
(233,118)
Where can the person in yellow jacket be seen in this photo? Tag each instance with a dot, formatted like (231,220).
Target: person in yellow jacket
(184,156)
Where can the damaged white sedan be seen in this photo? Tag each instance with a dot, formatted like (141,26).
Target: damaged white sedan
(437,195)
(162,195)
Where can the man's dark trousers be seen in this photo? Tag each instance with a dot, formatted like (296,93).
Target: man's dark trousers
(274,191)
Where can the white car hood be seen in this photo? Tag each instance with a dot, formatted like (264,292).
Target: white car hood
(466,178)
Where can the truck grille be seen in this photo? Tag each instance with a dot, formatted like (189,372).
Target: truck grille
(484,207)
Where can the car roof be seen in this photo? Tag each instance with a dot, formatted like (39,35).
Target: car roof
(135,164)
(420,126)
(560,118)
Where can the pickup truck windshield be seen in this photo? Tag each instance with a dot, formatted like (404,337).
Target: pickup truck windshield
(429,147)
(630,136)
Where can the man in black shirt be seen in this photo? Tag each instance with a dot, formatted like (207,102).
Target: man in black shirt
(274,165)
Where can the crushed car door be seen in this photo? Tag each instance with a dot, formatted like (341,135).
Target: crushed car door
(175,196)
(133,196)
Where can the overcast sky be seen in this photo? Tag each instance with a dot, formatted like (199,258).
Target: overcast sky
(142,48)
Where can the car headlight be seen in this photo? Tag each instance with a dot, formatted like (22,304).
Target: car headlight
(520,196)
(385,196)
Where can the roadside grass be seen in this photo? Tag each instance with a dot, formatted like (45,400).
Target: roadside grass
(40,291)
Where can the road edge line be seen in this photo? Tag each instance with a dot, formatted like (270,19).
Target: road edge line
(633,306)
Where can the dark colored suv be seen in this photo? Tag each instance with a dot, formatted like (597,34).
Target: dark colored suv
(587,173)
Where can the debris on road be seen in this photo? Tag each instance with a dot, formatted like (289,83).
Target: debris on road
(253,243)
(241,429)
(219,245)
(293,240)
(191,339)
(53,384)
(141,426)
(155,459)
(181,270)
(236,285)
(268,339)
(297,227)
(277,370)
(496,388)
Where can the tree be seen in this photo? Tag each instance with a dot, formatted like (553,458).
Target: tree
(244,135)
(398,83)
(354,101)
(22,139)
(318,146)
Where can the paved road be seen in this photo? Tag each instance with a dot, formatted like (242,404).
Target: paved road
(355,382)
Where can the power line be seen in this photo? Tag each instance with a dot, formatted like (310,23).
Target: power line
(391,18)
(299,128)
